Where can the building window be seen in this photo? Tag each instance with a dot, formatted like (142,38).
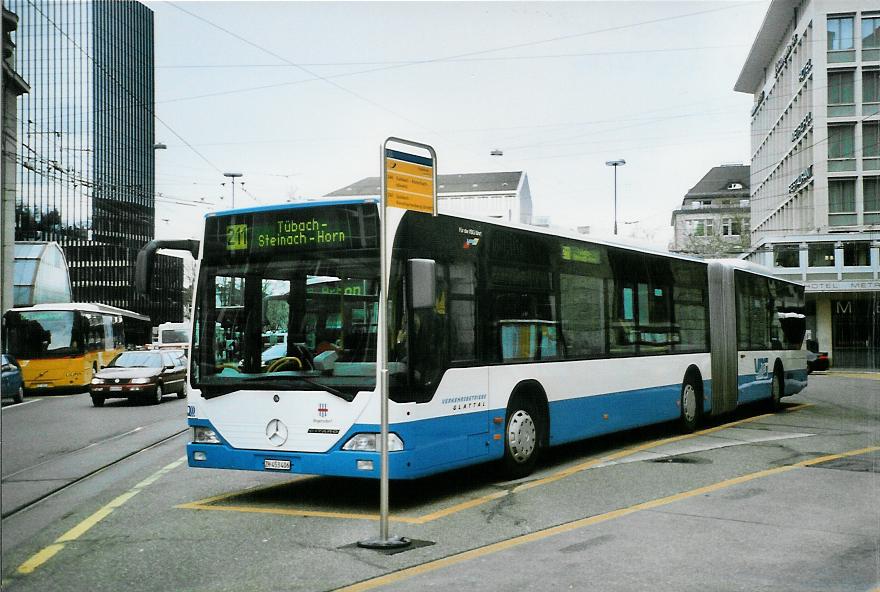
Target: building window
(841,151)
(730,227)
(871,146)
(856,254)
(786,256)
(841,100)
(871,38)
(871,199)
(841,202)
(871,91)
(821,255)
(840,39)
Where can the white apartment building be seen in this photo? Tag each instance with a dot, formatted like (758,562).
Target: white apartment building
(713,220)
(814,72)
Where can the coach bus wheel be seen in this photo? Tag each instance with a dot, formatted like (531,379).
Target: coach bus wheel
(97,401)
(690,405)
(522,437)
(158,396)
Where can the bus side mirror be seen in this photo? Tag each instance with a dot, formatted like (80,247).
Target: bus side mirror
(146,258)
(422,282)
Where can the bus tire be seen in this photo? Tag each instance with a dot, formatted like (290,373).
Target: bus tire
(777,389)
(157,397)
(690,402)
(523,434)
(97,400)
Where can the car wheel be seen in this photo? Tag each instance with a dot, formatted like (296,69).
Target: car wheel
(97,400)
(157,398)
(18,397)
(182,393)
(522,438)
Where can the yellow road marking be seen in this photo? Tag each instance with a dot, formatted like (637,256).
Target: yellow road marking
(584,522)
(862,375)
(44,555)
(208,503)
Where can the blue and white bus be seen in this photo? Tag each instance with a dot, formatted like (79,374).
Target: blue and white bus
(504,339)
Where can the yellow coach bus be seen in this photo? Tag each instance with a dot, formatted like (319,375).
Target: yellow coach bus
(61,346)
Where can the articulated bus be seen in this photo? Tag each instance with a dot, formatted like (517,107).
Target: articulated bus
(503,340)
(61,346)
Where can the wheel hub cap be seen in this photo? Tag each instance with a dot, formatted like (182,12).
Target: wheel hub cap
(521,436)
(689,402)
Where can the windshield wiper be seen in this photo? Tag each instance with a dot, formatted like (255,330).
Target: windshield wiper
(314,383)
(329,389)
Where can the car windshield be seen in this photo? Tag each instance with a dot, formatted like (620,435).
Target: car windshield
(137,360)
(324,307)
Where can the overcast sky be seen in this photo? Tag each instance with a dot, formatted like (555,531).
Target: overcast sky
(299,96)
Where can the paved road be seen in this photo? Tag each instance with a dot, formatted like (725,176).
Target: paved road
(50,441)
(785,501)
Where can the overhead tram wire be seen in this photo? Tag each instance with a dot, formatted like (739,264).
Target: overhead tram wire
(147,107)
(453,60)
(428,60)
(307,71)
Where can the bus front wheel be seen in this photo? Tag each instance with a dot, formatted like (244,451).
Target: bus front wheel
(522,438)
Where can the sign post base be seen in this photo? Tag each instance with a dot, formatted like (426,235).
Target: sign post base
(394,542)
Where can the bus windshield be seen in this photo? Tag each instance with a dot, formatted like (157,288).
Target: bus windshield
(325,306)
(43,334)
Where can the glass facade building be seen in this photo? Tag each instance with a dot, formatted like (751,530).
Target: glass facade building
(85,161)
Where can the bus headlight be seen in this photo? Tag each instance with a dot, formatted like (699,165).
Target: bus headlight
(203,435)
(140,381)
(368,442)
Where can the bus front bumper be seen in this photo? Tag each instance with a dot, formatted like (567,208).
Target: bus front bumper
(337,463)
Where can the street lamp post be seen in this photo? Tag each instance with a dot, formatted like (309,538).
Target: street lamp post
(615,164)
(232,176)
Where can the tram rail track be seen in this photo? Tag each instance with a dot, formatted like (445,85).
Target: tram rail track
(6,479)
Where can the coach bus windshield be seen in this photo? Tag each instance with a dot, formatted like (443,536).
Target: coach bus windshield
(42,334)
(310,275)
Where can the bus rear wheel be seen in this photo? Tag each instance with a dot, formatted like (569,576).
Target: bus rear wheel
(690,405)
(775,402)
(522,438)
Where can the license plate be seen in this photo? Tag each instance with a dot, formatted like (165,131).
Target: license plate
(278,465)
(115,388)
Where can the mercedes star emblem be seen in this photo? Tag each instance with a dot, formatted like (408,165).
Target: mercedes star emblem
(276,432)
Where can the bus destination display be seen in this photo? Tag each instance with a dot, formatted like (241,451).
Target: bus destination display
(281,231)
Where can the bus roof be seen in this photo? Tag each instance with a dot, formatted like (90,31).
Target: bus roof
(554,231)
(294,206)
(84,307)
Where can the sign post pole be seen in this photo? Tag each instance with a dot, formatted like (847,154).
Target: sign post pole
(408,182)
